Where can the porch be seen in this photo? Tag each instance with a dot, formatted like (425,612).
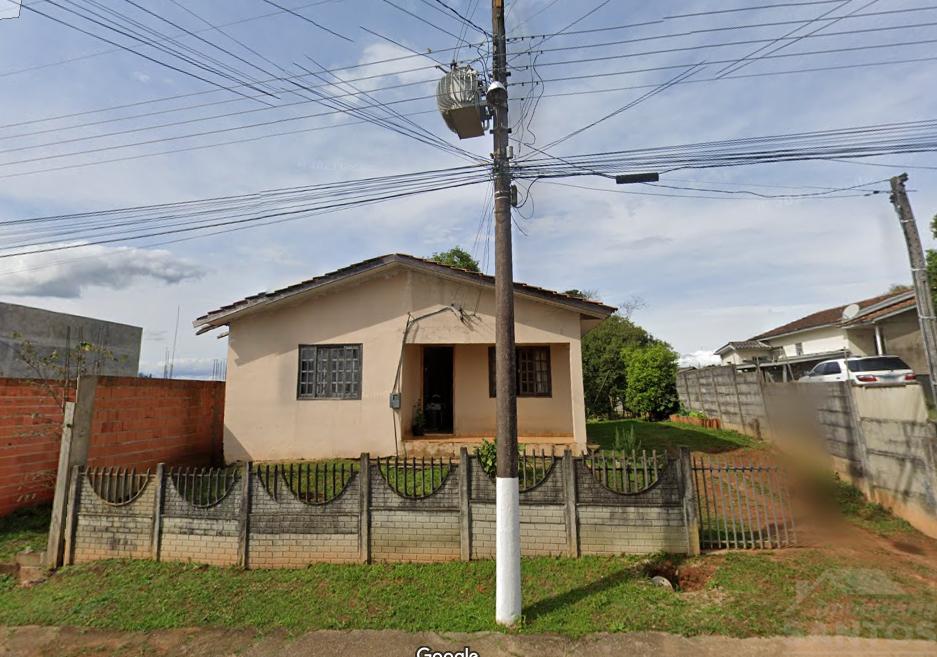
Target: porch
(448,401)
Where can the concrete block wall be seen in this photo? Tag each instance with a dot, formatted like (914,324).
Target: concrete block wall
(113,531)
(200,534)
(568,513)
(736,398)
(286,532)
(420,530)
(876,437)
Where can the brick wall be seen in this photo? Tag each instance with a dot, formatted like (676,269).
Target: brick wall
(139,422)
(134,422)
(30,430)
(370,521)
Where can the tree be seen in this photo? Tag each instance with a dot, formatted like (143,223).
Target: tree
(588,295)
(56,371)
(652,380)
(604,368)
(456,257)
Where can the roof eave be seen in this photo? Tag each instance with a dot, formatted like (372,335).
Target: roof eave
(217,319)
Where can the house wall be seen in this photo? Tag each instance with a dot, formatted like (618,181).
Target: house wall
(815,341)
(737,357)
(265,421)
(861,341)
(902,334)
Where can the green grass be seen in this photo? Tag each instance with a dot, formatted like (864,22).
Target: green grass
(851,503)
(668,436)
(748,595)
(22,529)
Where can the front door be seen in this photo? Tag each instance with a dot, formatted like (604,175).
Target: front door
(437,389)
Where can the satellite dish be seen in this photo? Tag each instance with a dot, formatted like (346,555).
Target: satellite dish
(850,311)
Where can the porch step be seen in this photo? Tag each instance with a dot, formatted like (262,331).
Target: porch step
(437,446)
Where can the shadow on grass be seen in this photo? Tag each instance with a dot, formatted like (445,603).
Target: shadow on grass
(666,565)
(667,436)
(572,597)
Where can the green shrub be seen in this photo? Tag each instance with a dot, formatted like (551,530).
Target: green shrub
(652,381)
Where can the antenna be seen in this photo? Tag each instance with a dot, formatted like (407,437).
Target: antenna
(850,311)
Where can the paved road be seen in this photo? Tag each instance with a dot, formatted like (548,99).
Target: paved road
(70,642)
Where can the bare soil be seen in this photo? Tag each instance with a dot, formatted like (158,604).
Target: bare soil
(67,642)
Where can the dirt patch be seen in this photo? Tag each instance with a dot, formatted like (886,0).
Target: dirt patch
(65,642)
(686,576)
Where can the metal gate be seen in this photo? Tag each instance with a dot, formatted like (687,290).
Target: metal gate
(743,506)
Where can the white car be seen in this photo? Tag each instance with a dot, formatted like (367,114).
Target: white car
(864,371)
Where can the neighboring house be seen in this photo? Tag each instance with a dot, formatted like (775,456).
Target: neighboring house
(342,363)
(117,346)
(886,324)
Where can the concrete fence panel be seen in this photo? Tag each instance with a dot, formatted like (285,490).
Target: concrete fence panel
(567,509)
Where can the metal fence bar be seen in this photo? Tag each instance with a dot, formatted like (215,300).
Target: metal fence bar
(742,506)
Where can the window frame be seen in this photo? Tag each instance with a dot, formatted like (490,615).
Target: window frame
(492,385)
(300,396)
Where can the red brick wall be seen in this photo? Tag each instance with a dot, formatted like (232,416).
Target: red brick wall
(141,422)
(135,423)
(30,430)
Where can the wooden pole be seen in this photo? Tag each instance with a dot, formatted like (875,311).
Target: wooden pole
(507,517)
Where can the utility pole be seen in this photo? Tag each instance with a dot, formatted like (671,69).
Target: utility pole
(922,291)
(507,516)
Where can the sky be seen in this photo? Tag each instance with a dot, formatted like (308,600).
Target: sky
(708,267)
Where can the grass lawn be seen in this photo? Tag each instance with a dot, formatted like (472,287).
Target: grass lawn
(668,436)
(735,594)
(25,528)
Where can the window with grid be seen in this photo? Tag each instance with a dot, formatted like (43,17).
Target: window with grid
(532,375)
(329,371)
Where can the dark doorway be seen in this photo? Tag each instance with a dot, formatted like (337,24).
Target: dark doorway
(437,389)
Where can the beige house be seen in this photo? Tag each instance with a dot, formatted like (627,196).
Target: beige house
(886,324)
(347,362)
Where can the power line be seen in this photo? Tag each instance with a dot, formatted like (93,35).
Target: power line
(295,13)
(462,18)
(708,46)
(131,50)
(422,20)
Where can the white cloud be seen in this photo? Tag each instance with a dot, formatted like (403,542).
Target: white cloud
(112,267)
(700,358)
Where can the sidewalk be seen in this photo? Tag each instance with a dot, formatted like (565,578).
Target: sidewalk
(67,642)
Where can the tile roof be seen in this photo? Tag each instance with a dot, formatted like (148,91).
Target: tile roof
(218,317)
(886,311)
(742,344)
(834,316)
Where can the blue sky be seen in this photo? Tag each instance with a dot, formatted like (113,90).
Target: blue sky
(708,270)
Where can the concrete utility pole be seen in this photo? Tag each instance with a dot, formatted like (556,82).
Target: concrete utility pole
(507,517)
(925,303)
